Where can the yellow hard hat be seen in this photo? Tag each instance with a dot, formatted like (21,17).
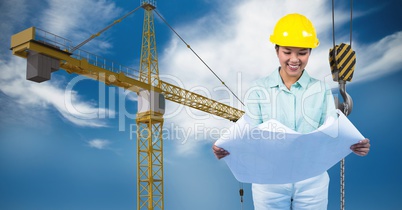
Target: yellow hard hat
(295,30)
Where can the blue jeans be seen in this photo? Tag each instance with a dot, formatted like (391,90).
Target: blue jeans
(309,194)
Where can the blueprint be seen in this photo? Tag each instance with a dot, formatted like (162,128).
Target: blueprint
(272,153)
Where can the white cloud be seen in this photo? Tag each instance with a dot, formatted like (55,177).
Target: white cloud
(31,94)
(78,20)
(99,143)
(234,41)
(379,58)
(60,18)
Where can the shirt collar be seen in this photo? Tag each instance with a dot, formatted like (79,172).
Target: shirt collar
(304,79)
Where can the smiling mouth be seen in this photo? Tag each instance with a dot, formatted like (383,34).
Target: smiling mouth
(293,67)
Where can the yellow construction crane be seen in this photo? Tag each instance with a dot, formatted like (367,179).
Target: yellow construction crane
(46,52)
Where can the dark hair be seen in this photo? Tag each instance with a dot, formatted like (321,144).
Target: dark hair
(277,47)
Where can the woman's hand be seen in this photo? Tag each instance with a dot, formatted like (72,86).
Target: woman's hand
(362,148)
(219,152)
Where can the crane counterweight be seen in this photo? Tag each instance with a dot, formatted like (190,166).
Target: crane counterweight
(40,67)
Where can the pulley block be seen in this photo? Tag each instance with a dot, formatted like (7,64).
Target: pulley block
(343,66)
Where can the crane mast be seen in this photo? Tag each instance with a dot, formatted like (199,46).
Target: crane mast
(149,72)
(149,121)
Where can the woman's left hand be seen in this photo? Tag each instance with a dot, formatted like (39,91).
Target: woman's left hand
(362,148)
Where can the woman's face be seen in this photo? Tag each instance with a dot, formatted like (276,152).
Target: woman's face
(293,60)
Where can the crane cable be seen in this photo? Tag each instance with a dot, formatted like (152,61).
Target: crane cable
(189,47)
(160,16)
(342,163)
(103,30)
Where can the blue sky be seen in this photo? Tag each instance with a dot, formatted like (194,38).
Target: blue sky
(68,143)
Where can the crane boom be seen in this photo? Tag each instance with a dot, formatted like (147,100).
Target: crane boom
(34,40)
(197,101)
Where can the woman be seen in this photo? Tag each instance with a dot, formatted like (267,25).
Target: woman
(298,101)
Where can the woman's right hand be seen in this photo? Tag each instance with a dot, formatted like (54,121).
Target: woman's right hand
(219,152)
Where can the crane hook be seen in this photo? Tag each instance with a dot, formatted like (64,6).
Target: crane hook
(347,105)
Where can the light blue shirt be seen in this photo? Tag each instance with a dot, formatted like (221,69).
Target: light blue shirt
(303,108)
